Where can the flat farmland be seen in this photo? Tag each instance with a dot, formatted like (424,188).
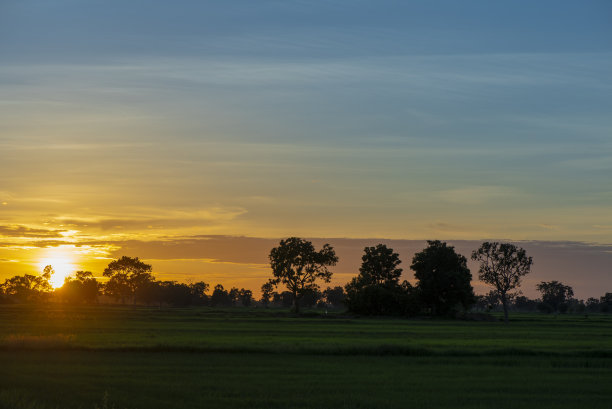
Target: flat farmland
(133,357)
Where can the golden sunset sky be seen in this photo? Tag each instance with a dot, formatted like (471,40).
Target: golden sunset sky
(195,135)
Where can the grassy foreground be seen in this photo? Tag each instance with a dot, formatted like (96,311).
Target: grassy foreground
(66,357)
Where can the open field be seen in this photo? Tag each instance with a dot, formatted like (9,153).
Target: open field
(68,357)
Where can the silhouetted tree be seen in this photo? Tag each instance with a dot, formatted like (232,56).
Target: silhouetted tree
(379,266)
(335,296)
(376,289)
(576,306)
(592,305)
(555,295)
(266,293)
(310,298)
(127,275)
(152,292)
(177,294)
(605,303)
(246,297)
(48,271)
(488,301)
(82,288)
(443,278)
(29,287)
(522,303)
(284,299)
(198,292)
(502,265)
(297,265)
(220,297)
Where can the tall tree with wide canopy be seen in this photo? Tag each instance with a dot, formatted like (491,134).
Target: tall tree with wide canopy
(444,278)
(296,264)
(127,275)
(379,265)
(376,289)
(502,265)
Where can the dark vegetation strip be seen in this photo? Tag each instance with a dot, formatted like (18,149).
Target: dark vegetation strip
(374,350)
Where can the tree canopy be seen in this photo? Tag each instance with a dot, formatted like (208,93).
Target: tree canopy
(376,290)
(296,264)
(443,278)
(379,265)
(555,295)
(82,288)
(502,265)
(127,275)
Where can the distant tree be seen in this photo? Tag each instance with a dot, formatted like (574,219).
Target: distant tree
(592,305)
(297,265)
(220,297)
(575,306)
(379,266)
(266,293)
(443,278)
(29,287)
(284,299)
(48,271)
(234,295)
(118,287)
(165,292)
(555,295)
(26,288)
(152,292)
(246,297)
(605,302)
(177,294)
(522,303)
(335,296)
(127,275)
(82,288)
(198,292)
(310,298)
(376,289)
(488,301)
(502,265)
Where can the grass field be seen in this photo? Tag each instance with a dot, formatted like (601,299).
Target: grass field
(67,357)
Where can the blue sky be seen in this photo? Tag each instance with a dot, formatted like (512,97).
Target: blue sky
(141,120)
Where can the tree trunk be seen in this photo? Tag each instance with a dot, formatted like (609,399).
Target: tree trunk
(505,304)
(296,304)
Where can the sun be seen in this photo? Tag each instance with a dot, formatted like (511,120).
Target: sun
(63,265)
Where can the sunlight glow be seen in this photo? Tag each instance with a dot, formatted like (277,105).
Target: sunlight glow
(63,264)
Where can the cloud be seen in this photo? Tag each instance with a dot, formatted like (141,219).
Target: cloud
(156,219)
(23,231)
(227,249)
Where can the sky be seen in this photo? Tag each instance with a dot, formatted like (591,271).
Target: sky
(131,127)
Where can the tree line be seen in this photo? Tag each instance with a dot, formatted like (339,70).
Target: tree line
(443,284)
(131,281)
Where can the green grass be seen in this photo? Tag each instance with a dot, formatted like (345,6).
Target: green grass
(66,357)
